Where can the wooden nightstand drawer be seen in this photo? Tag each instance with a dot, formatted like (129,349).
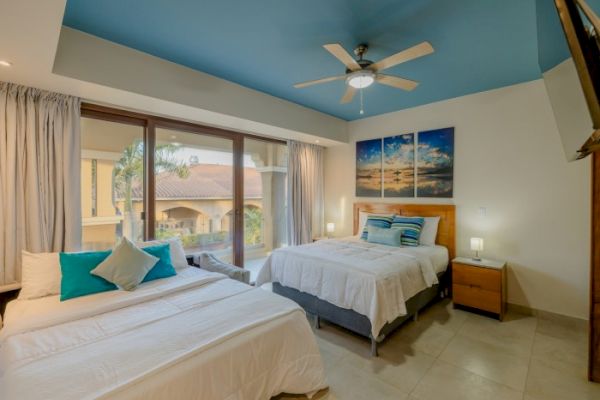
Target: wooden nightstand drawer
(477,277)
(475,297)
(479,284)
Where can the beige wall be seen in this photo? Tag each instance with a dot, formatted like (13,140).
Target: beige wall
(508,159)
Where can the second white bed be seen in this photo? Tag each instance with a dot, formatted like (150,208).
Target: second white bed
(373,280)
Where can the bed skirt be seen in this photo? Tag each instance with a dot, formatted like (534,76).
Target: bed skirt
(359,323)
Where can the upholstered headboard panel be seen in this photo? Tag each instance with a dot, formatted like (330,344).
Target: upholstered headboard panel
(446,235)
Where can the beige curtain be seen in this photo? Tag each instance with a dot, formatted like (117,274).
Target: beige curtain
(40,205)
(305,192)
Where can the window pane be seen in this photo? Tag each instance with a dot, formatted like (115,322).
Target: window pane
(265,200)
(112,171)
(194,191)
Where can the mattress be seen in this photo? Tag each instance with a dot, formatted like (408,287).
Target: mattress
(195,335)
(372,279)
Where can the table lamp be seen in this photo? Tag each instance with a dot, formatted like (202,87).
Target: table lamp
(330,228)
(477,246)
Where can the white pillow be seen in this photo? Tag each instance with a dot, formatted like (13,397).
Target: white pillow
(177,253)
(362,220)
(126,266)
(40,275)
(429,231)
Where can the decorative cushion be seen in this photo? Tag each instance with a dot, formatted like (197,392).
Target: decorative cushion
(211,263)
(380,221)
(163,268)
(40,275)
(411,229)
(126,266)
(76,278)
(387,236)
(178,258)
(429,231)
(362,220)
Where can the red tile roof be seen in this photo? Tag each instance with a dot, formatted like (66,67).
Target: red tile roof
(204,181)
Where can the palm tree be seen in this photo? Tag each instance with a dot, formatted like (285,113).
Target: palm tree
(130,167)
(253,220)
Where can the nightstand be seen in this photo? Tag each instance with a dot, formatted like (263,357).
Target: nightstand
(479,284)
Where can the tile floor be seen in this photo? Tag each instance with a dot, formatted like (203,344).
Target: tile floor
(453,354)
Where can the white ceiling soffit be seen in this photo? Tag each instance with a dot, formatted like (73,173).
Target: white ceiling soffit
(106,73)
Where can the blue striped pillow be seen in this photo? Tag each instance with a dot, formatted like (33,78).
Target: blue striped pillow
(380,221)
(411,229)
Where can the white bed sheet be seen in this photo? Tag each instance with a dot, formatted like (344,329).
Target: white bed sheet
(437,254)
(196,335)
(371,279)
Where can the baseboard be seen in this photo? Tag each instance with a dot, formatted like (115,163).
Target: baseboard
(526,310)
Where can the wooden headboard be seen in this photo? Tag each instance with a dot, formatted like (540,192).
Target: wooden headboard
(446,235)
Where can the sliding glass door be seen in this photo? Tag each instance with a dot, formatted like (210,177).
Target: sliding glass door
(194,191)
(147,177)
(265,200)
(112,178)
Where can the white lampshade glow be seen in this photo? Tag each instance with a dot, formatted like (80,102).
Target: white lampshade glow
(330,227)
(477,246)
(361,79)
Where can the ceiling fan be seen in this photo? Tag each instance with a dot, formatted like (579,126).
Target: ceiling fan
(361,73)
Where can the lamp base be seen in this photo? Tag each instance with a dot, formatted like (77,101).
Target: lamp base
(476,258)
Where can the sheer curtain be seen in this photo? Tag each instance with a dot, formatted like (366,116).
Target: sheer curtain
(305,192)
(40,205)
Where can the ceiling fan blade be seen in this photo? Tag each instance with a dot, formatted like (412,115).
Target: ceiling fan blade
(317,81)
(338,52)
(411,53)
(348,96)
(399,83)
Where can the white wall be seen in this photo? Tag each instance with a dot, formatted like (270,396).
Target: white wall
(509,159)
(91,59)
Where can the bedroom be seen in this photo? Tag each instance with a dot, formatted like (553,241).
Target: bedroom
(150,121)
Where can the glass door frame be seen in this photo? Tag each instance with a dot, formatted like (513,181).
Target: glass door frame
(150,123)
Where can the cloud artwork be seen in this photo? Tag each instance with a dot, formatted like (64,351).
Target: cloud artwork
(435,164)
(399,166)
(368,168)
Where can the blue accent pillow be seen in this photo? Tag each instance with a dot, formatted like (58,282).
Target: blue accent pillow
(411,228)
(76,280)
(163,267)
(378,221)
(387,236)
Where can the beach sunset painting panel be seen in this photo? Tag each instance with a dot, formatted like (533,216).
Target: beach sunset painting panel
(435,163)
(368,168)
(399,166)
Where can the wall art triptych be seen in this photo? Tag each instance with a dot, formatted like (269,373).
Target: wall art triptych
(406,165)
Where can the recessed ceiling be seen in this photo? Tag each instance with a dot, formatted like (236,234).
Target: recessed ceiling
(269,45)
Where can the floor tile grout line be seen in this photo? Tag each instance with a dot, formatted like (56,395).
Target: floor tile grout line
(437,357)
(535,332)
(484,377)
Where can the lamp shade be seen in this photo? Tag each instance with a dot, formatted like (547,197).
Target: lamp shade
(477,244)
(330,227)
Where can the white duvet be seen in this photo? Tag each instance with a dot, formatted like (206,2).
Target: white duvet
(192,336)
(373,280)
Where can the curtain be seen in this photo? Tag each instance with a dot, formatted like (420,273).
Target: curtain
(40,205)
(305,192)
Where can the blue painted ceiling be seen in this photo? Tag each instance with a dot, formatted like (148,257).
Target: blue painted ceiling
(269,45)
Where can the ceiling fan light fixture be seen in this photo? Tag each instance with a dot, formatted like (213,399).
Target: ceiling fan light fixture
(361,79)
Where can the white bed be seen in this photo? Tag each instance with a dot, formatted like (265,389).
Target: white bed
(196,335)
(372,279)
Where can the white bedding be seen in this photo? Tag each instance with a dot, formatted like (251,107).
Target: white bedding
(195,335)
(371,279)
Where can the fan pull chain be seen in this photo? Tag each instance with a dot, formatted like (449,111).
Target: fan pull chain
(362,108)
